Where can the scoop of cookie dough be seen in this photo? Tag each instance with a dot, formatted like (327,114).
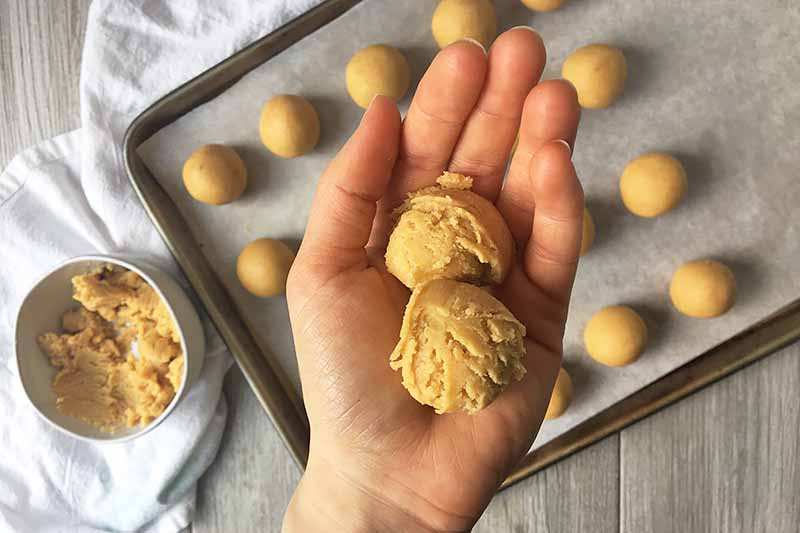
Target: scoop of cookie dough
(562,396)
(454,20)
(459,346)
(598,72)
(544,5)
(703,289)
(588,232)
(289,126)
(377,69)
(615,336)
(215,174)
(652,184)
(448,231)
(263,266)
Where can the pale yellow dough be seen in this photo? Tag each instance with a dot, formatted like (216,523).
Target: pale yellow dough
(587,238)
(598,72)
(215,174)
(263,266)
(459,346)
(561,397)
(100,381)
(377,69)
(544,5)
(454,20)
(448,231)
(652,184)
(703,289)
(289,126)
(615,336)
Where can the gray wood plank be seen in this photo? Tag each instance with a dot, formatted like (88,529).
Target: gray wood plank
(725,459)
(581,493)
(40,50)
(252,479)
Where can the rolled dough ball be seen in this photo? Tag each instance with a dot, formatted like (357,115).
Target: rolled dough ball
(448,231)
(598,72)
(652,184)
(588,232)
(459,346)
(562,396)
(544,5)
(377,69)
(289,126)
(215,174)
(703,289)
(454,20)
(263,266)
(615,336)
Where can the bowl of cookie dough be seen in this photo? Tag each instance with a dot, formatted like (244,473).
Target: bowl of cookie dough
(107,347)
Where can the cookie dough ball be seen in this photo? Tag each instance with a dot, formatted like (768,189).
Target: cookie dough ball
(562,396)
(544,5)
(652,184)
(454,20)
(459,347)
(615,336)
(588,232)
(289,126)
(598,72)
(703,289)
(263,266)
(215,174)
(377,69)
(448,231)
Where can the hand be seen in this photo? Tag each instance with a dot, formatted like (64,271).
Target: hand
(378,459)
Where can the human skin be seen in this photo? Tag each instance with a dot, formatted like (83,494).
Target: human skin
(380,461)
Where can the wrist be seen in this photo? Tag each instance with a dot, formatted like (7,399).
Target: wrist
(328,500)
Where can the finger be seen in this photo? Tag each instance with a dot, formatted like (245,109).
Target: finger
(444,99)
(345,202)
(551,255)
(551,112)
(516,61)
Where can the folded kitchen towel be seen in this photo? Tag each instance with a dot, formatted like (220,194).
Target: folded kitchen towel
(69,196)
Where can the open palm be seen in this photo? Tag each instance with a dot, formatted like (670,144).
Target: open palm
(346,310)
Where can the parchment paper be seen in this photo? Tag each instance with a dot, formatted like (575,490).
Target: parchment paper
(713,82)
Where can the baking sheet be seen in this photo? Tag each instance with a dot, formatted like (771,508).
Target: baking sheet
(712,82)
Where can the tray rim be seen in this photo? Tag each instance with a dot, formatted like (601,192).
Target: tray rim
(257,363)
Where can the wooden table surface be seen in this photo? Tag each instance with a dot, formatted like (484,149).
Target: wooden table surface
(725,459)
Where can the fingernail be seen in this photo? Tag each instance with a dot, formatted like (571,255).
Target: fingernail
(475,42)
(565,143)
(523,27)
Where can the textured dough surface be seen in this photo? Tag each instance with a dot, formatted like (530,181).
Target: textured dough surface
(652,184)
(454,20)
(615,336)
(99,379)
(544,5)
(459,346)
(703,289)
(377,69)
(289,126)
(598,72)
(448,231)
(215,174)
(263,267)
(561,397)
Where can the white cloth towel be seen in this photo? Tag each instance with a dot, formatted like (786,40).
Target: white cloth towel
(69,196)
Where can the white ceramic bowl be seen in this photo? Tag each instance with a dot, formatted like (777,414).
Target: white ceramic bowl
(41,312)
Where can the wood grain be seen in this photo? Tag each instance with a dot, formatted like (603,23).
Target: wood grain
(725,459)
(580,493)
(40,50)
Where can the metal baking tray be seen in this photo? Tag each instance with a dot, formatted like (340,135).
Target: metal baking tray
(265,376)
